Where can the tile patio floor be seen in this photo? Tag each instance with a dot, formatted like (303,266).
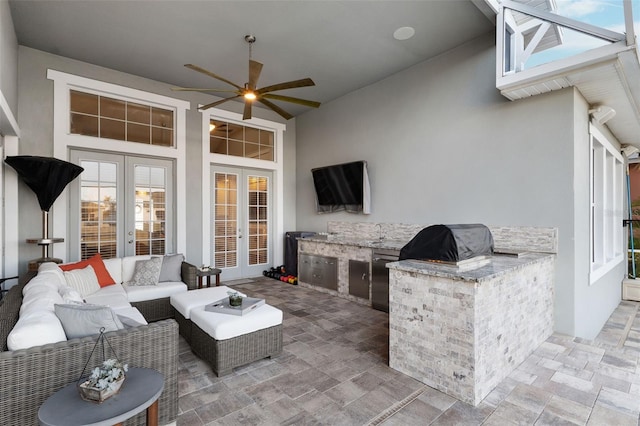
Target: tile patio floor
(333,371)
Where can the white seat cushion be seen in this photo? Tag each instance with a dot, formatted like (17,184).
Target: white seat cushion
(113,296)
(224,326)
(141,293)
(184,302)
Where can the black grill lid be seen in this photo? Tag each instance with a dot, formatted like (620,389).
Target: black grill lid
(449,243)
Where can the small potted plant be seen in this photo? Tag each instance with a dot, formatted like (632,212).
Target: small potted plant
(104,381)
(234,298)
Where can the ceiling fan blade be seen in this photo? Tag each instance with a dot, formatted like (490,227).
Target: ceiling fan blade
(210,74)
(255,68)
(247,110)
(312,104)
(287,85)
(198,89)
(212,104)
(276,108)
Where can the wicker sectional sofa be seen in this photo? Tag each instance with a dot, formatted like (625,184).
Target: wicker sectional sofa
(29,376)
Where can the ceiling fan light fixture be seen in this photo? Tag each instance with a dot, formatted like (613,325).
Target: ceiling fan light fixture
(250,96)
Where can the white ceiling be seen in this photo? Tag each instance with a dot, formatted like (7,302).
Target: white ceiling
(341,45)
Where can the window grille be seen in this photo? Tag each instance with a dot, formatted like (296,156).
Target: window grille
(103,117)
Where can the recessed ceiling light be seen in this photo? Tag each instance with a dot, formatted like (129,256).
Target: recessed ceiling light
(404,33)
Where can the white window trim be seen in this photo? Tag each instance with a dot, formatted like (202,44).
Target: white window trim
(9,243)
(63,141)
(609,242)
(277,166)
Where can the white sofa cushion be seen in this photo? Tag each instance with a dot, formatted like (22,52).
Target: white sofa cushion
(53,273)
(114,267)
(139,293)
(186,301)
(113,296)
(34,329)
(40,294)
(37,324)
(225,326)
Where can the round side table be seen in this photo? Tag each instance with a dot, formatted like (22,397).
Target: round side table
(140,390)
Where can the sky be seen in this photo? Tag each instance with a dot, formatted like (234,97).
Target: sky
(607,14)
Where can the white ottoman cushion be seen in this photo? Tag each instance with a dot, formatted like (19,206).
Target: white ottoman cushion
(224,326)
(185,302)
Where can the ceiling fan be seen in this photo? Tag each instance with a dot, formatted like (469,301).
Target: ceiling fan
(250,92)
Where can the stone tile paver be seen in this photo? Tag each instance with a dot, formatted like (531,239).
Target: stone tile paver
(333,371)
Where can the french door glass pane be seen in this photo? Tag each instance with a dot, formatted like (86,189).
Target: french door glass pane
(258,219)
(225,220)
(98,219)
(150,208)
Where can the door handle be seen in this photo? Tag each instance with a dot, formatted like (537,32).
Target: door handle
(130,241)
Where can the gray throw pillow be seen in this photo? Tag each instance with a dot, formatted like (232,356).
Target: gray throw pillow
(147,272)
(171,270)
(128,322)
(86,320)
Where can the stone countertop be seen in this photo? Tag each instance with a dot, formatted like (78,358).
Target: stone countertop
(496,266)
(374,244)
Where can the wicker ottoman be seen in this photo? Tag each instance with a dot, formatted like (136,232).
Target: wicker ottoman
(228,341)
(183,303)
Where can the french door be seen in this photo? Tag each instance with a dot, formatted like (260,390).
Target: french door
(241,243)
(121,206)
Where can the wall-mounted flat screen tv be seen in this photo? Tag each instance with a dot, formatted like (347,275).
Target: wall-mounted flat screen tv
(342,187)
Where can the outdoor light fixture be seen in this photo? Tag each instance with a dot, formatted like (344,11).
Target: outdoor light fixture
(602,113)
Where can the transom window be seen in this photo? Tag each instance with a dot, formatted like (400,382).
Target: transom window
(104,117)
(240,141)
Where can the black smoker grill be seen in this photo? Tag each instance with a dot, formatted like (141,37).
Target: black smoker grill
(449,243)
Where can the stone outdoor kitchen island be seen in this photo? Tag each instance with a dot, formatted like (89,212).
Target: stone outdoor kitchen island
(462,332)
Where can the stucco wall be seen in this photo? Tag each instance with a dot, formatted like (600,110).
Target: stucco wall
(443,146)
(8,57)
(35,115)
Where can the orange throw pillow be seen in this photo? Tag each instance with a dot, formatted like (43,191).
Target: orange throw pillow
(104,278)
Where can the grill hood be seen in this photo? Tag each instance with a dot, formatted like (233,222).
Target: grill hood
(449,243)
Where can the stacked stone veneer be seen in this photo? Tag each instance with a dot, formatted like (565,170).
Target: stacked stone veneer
(463,337)
(522,238)
(344,253)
